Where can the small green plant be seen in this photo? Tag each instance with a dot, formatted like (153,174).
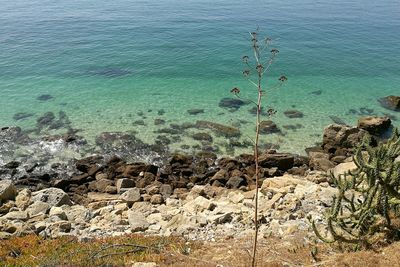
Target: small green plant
(255,71)
(366,208)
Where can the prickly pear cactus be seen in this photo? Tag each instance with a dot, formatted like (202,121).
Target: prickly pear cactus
(366,209)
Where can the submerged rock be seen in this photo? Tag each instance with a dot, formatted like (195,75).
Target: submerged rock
(293,114)
(231,104)
(268,127)
(195,111)
(202,137)
(390,102)
(110,72)
(337,120)
(219,129)
(44,97)
(22,115)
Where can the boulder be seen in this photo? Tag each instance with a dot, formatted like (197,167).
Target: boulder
(131,196)
(320,161)
(374,125)
(8,191)
(166,190)
(341,139)
(137,221)
(90,163)
(390,102)
(283,161)
(52,196)
(38,207)
(58,212)
(235,182)
(100,185)
(343,168)
(23,199)
(124,184)
(16,215)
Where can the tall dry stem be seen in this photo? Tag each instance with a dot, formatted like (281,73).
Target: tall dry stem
(259,67)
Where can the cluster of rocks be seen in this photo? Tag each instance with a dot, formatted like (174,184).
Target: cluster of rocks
(205,212)
(197,196)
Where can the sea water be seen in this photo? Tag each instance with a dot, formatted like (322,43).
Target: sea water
(120,65)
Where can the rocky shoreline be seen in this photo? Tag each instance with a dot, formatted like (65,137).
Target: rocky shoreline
(200,197)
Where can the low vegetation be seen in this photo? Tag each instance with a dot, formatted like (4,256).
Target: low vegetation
(366,210)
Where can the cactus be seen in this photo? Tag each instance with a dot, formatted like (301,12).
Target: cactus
(367,205)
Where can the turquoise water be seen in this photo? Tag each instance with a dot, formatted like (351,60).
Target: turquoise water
(108,64)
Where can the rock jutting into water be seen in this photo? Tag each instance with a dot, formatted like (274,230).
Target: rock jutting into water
(390,102)
(374,125)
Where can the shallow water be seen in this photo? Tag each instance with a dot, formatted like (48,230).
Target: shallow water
(110,65)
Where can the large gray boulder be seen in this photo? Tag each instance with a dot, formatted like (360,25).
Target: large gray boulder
(52,196)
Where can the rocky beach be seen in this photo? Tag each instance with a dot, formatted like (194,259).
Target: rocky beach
(55,186)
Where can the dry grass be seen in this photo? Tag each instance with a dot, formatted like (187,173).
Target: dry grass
(272,252)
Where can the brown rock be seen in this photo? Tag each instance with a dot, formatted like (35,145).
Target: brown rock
(282,161)
(341,139)
(374,125)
